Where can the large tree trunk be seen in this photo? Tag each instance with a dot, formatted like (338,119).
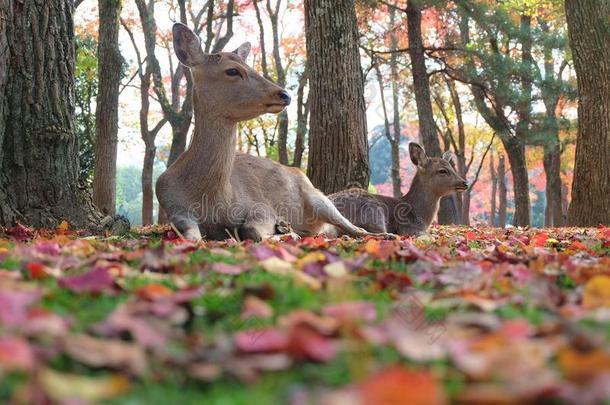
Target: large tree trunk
(590,42)
(338,152)
(421,85)
(107,113)
(38,148)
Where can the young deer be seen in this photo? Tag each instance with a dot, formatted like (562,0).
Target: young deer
(211,190)
(412,213)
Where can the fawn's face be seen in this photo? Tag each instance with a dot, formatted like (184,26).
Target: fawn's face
(224,85)
(437,174)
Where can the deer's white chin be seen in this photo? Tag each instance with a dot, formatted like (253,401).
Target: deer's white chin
(275,108)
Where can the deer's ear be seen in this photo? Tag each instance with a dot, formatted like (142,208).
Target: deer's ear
(418,154)
(244,50)
(450,157)
(187,46)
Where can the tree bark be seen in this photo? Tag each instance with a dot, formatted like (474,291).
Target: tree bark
(110,64)
(38,147)
(494,191)
(395,139)
(338,152)
(282,137)
(302,118)
(496,118)
(502,191)
(421,85)
(590,41)
(148,136)
(552,168)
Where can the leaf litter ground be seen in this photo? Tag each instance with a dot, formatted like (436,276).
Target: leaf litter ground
(459,315)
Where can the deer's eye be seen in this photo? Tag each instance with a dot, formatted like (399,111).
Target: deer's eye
(232,72)
(443,171)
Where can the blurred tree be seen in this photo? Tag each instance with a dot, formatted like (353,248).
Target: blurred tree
(110,70)
(86,85)
(149,135)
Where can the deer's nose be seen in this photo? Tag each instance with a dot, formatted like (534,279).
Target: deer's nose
(283,94)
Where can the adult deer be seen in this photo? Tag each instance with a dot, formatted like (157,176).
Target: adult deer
(210,189)
(412,213)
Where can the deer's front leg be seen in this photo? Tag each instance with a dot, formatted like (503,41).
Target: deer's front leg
(260,223)
(187,227)
(327,211)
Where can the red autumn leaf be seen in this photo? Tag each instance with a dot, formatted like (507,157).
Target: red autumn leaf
(316,242)
(36,270)
(539,240)
(392,279)
(305,343)
(15,354)
(261,341)
(14,305)
(470,236)
(21,233)
(380,249)
(398,385)
(94,281)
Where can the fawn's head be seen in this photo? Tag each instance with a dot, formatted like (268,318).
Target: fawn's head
(437,174)
(224,85)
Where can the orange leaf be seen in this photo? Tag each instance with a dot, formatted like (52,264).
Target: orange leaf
(399,385)
(153,292)
(583,365)
(539,239)
(63,227)
(597,293)
(470,235)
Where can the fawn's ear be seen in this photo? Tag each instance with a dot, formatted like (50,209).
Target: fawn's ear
(187,46)
(418,154)
(451,158)
(243,51)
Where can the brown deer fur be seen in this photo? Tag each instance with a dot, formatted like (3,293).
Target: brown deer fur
(412,213)
(211,190)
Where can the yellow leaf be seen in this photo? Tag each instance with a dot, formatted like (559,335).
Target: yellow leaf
(70,387)
(64,226)
(583,366)
(281,267)
(337,269)
(276,265)
(312,257)
(597,293)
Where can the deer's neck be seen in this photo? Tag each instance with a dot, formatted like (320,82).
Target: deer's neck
(208,162)
(423,201)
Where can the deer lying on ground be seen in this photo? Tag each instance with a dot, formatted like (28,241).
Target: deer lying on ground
(412,213)
(211,190)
